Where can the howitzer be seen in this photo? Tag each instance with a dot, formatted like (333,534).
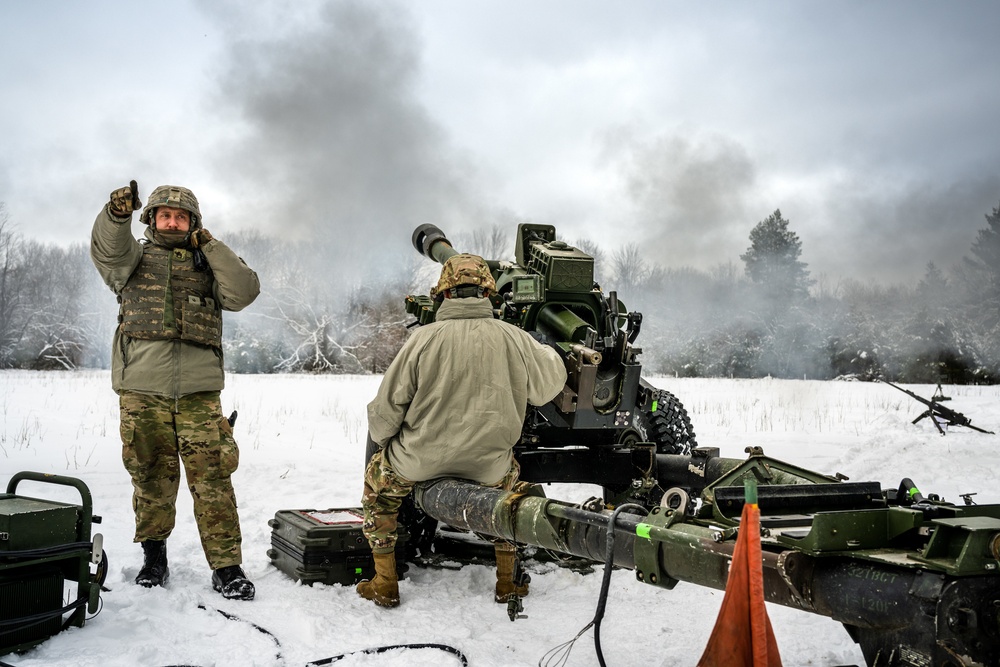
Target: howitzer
(913,580)
(607,425)
(937,412)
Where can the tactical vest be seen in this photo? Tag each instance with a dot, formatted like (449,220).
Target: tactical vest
(166,298)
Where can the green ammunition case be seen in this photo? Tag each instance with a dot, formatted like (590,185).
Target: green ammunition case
(30,523)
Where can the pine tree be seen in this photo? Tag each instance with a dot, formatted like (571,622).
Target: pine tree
(772,260)
(981,279)
(985,261)
(932,290)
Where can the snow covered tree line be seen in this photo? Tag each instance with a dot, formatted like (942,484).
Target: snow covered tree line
(773,319)
(766,317)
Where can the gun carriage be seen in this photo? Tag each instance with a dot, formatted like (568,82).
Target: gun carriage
(914,580)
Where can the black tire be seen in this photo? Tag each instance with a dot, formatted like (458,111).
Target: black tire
(418,525)
(666,423)
(660,418)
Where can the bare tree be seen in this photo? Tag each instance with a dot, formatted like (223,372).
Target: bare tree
(494,242)
(56,285)
(316,334)
(12,276)
(629,268)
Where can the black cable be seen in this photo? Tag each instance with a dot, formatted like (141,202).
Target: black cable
(609,558)
(39,618)
(46,551)
(327,661)
(234,617)
(27,621)
(559,655)
(382,649)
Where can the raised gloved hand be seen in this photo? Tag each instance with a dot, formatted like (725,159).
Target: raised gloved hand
(200,237)
(125,200)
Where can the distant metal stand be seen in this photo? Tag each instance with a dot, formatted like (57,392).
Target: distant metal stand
(939,395)
(941,416)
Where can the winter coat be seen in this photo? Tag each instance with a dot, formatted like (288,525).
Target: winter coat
(452,403)
(174,367)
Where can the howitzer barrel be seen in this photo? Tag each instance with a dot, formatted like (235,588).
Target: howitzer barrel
(938,618)
(432,243)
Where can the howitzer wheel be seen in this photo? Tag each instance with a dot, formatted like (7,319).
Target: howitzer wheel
(660,418)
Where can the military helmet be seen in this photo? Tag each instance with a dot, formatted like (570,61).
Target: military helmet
(464,270)
(175,197)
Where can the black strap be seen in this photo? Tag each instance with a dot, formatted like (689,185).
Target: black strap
(382,649)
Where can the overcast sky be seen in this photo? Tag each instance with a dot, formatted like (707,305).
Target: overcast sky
(872,126)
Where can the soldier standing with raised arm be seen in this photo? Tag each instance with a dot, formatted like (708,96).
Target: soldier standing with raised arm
(167,369)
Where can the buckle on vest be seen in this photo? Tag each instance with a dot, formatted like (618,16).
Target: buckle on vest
(193,299)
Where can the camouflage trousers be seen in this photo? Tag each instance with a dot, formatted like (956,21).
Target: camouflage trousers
(160,434)
(384,492)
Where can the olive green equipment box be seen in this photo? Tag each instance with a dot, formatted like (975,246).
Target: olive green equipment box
(326,546)
(43,545)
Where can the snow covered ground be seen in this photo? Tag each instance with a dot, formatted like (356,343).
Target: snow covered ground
(302,441)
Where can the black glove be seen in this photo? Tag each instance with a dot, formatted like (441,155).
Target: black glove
(125,200)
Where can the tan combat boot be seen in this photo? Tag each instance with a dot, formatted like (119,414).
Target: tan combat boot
(506,555)
(383,590)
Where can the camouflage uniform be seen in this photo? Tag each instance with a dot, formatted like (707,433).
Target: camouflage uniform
(158,434)
(385,490)
(167,368)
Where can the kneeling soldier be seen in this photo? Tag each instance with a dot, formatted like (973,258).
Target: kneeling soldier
(452,404)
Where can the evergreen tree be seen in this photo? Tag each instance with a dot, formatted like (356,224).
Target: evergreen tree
(985,262)
(933,288)
(980,277)
(772,260)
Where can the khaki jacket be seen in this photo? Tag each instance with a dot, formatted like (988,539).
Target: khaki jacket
(452,403)
(171,368)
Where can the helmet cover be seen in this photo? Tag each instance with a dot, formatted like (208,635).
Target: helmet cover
(174,197)
(464,270)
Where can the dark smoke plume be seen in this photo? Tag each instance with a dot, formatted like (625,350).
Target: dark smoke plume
(332,145)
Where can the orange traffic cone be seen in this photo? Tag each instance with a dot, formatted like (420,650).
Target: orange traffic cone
(742,636)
